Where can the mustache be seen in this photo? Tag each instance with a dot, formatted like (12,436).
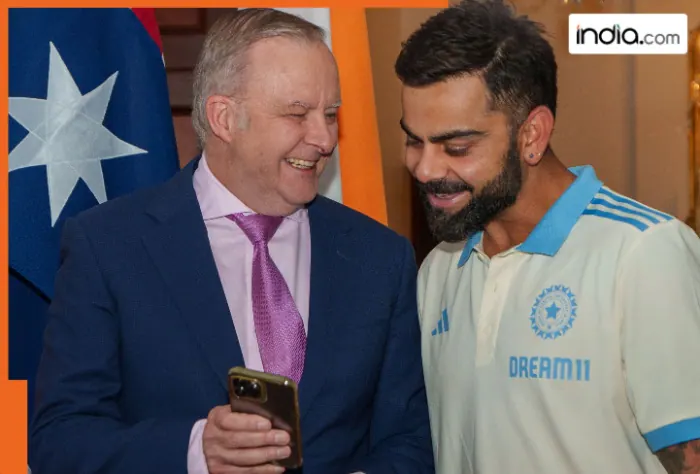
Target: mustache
(443,186)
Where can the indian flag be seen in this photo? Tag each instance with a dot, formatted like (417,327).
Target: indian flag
(354,175)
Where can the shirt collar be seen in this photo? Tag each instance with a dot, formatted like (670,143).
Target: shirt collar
(216,201)
(551,232)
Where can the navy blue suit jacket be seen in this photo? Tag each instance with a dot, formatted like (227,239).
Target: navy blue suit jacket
(139,341)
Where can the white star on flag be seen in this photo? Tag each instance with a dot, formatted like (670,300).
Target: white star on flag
(66,134)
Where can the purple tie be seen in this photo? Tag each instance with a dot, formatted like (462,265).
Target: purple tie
(278,325)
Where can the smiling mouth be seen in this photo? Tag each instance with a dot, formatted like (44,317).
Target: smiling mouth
(303,165)
(444,200)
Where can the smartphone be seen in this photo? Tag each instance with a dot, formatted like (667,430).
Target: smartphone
(273,397)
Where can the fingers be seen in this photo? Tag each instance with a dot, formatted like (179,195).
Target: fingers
(244,422)
(240,443)
(226,469)
(240,430)
(227,420)
(267,469)
(254,439)
(245,461)
(253,456)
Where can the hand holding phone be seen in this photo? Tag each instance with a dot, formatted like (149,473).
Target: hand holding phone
(243,441)
(273,398)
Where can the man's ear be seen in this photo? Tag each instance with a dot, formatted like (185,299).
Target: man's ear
(221,111)
(535,134)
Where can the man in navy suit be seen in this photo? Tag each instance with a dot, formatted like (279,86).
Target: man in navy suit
(236,261)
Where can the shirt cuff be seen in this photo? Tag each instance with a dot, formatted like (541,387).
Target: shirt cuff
(675,433)
(196,462)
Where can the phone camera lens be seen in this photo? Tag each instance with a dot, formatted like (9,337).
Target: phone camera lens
(239,387)
(254,389)
(247,388)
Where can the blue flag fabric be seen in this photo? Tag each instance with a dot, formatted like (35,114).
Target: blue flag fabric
(90,120)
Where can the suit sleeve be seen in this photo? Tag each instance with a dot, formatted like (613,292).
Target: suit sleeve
(400,433)
(78,427)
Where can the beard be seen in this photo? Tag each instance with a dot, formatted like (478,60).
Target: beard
(496,196)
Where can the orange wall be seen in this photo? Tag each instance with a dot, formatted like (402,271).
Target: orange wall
(387,28)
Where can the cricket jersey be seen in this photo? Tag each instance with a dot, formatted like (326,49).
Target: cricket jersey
(577,351)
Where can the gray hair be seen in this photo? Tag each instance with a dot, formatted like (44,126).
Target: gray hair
(222,61)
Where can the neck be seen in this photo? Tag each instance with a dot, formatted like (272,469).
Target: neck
(542,186)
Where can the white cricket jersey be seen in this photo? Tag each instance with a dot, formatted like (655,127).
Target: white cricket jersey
(577,351)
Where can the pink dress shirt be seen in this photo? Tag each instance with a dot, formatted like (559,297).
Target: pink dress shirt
(290,248)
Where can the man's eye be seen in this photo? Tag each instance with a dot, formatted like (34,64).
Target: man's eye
(412,142)
(456,150)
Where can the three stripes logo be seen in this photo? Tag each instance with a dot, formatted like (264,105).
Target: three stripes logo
(443,324)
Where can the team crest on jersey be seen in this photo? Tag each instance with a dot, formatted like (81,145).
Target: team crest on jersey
(554,312)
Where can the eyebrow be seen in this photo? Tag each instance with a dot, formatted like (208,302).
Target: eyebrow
(300,103)
(443,137)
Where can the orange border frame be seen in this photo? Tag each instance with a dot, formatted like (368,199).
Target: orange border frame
(13,413)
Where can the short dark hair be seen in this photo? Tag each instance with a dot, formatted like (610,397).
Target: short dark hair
(486,38)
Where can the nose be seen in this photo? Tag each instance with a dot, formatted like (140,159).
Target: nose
(322,133)
(427,164)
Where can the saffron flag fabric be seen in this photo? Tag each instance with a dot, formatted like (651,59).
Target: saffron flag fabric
(89,120)
(354,177)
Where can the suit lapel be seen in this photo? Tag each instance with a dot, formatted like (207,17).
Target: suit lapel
(327,235)
(179,247)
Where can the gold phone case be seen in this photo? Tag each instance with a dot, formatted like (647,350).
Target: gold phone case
(273,397)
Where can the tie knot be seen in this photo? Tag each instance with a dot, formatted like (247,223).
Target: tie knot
(257,227)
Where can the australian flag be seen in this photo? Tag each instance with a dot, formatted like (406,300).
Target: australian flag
(90,120)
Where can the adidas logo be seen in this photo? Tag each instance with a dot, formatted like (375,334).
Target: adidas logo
(443,324)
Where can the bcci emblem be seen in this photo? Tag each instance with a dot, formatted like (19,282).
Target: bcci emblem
(554,312)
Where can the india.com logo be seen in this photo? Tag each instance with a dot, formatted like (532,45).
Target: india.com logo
(617,35)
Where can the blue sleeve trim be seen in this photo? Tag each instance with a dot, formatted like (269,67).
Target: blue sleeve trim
(674,433)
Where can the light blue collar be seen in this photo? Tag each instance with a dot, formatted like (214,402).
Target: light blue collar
(550,233)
